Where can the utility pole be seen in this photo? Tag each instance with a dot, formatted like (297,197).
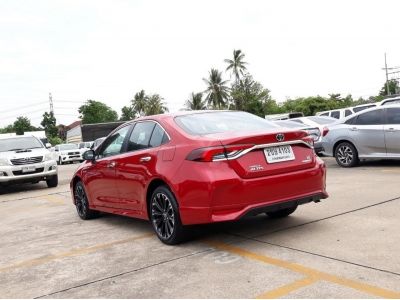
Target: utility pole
(52,107)
(387,77)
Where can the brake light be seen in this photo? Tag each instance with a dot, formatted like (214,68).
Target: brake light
(217,153)
(325,131)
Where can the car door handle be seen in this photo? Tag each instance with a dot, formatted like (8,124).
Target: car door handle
(391,129)
(353,128)
(145,159)
(111,164)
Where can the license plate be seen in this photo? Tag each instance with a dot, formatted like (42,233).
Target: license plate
(278,154)
(28,169)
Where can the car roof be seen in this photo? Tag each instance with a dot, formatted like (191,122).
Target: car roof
(367,110)
(16,137)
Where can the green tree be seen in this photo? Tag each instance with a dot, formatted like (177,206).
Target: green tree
(249,95)
(155,105)
(196,102)
(96,112)
(217,91)
(7,129)
(236,65)
(55,140)
(22,124)
(127,113)
(139,102)
(393,88)
(49,124)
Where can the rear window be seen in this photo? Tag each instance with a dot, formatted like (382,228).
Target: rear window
(22,143)
(335,114)
(217,122)
(357,109)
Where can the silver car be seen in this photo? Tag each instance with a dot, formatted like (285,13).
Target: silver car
(370,134)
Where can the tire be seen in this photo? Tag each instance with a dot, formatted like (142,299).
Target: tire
(164,216)
(52,181)
(82,203)
(346,155)
(282,212)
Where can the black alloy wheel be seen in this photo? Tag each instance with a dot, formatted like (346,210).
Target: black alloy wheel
(164,215)
(82,203)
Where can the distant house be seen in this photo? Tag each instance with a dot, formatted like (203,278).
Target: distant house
(74,132)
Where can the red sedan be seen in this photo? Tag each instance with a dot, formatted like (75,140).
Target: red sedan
(198,167)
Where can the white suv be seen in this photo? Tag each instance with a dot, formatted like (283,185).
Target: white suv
(25,159)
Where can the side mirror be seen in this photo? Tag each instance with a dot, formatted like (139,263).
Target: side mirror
(89,155)
(48,145)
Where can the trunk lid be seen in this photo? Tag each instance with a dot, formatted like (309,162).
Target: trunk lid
(270,155)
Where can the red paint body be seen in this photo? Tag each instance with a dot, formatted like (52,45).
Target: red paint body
(206,191)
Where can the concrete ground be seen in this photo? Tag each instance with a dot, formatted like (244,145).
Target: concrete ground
(347,246)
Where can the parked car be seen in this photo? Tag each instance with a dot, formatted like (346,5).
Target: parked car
(83,147)
(394,100)
(64,153)
(198,167)
(25,159)
(345,112)
(319,122)
(370,134)
(314,132)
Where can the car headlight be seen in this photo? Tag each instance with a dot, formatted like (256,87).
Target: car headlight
(3,162)
(48,156)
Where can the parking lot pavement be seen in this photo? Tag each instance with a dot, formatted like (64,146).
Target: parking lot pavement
(344,247)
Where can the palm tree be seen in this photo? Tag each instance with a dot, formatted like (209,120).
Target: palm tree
(217,91)
(155,105)
(196,102)
(139,102)
(237,65)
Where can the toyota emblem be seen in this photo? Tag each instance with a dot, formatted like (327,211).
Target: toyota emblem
(280,137)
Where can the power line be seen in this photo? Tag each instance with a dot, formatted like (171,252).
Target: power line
(25,106)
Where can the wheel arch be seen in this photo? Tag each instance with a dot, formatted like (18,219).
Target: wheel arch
(343,141)
(74,181)
(155,183)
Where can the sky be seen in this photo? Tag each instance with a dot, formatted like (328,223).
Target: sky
(109,50)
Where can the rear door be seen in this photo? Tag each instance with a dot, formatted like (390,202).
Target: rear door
(392,132)
(368,135)
(138,165)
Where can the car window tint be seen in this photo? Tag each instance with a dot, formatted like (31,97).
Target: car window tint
(140,136)
(391,102)
(335,114)
(157,138)
(325,114)
(370,118)
(393,115)
(113,144)
(351,120)
(347,112)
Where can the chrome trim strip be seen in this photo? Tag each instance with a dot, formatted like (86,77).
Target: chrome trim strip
(240,154)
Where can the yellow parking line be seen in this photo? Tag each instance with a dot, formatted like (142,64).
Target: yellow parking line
(309,272)
(52,199)
(288,288)
(76,252)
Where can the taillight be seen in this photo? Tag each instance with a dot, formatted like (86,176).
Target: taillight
(309,140)
(217,153)
(325,131)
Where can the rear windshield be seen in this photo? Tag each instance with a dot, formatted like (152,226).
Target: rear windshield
(290,124)
(68,147)
(217,122)
(23,143)
(322,120)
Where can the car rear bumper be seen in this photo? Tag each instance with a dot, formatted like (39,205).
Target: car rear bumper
(233,198)
(13,174)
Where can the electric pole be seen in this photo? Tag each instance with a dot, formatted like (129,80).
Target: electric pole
(387,77)
(51,104)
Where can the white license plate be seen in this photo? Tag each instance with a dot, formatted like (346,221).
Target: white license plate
(28,169)
(279,154)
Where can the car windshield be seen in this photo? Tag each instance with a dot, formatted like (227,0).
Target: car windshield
(14,144)
(322,120)
(218,122)
(68,147)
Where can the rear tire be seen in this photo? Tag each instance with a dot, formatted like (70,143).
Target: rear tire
(164,216)
(346,155)
(52,181)
(282,212)
(82,203)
